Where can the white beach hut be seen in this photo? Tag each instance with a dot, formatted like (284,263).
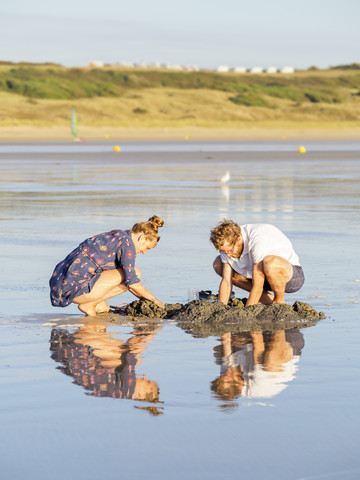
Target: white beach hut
(172,66)
(96,64)
(191,68)
(223,69)
(287,70)
(124,64)
(271,70)
(239,70)
(256,70)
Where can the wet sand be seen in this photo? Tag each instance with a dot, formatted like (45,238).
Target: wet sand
(28,133)
(150,388)
(151,158)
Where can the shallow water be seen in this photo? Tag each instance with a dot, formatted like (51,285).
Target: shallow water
(97,399)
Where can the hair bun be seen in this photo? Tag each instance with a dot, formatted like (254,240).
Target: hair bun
(156,221)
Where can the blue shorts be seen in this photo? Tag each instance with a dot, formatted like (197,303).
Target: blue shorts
(294,284)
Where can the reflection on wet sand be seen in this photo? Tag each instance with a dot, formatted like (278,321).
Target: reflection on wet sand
(105,366)
(252,364)
(257,364)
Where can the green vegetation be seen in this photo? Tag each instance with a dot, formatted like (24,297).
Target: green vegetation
(57,83)
(42,95)
(140,110)
(352,66)
(249,99)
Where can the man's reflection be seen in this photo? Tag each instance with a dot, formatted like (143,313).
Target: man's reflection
(104,365)
(257,364)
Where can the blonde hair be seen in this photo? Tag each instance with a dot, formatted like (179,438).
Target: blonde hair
(228,390)
(225,231)
(150,228)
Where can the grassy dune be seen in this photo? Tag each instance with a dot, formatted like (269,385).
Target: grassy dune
(41,96)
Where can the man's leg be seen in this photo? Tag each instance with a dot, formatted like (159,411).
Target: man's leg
(278,272)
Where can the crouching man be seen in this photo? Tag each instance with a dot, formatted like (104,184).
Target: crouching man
(257,258)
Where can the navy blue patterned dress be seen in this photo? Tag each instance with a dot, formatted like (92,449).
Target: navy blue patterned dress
(79,271)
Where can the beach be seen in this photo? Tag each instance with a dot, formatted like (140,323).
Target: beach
(109,396)
(110,134)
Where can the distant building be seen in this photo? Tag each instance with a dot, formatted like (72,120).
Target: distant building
(124,64)
(287,70)
(96,64)
(256,70)
(223,69)
(171,66)
(192,68)
(271,70)
(239,70)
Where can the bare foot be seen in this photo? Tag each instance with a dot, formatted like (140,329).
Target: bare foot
(102,307)
(279,298)
(88,309)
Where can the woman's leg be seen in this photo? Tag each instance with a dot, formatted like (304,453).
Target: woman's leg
(102,307)
(109,285)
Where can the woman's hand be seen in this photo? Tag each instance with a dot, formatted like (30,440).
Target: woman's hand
(159,304)
(140,291)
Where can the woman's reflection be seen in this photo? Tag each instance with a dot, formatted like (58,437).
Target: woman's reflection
(104,365)
(257,364)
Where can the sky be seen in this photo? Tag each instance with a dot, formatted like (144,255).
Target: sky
(205,33)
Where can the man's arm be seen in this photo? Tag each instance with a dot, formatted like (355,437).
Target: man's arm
(258,281)
(225,284)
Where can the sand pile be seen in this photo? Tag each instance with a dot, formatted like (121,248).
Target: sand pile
(203,318)
(148,309)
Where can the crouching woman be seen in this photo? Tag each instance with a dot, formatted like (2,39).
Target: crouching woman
(103,267)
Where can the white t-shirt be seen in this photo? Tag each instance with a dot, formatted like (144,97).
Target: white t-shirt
(258,382)
(260,240)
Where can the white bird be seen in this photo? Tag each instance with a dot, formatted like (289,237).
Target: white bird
(225,178)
